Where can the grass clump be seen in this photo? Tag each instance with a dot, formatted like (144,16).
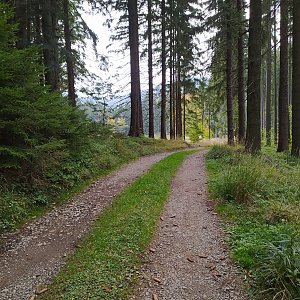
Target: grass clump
(259,196)
(106,266)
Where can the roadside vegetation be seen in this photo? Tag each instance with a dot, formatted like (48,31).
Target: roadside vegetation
(106,265)
(259,197)
(51,175)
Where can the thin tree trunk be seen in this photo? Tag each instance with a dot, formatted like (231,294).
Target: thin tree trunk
(230,129)
(172,131)
(178,101)
(253,135)
(241,78)
(275,79)
(135,122)
(150,71)
(269,79)
(283,116)
(163,134)
(296,80)
(69,55)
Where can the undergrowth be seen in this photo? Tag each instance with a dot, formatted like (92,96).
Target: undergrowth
(22,198)
(106,265)
(260,198)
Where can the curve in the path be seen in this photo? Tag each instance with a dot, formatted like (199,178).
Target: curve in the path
(36,253)
(188,259)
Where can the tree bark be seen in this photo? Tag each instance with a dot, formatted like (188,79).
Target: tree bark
(163,134)
(283,114)
(230,129)
(253,135)
(21,11)
(241,78)
(269,79)
(50,48)
(296,80)
(69,55)
(150,71)
(275,79)
(135,120)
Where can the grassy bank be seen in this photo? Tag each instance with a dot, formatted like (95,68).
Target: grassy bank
(24,197)
(259,197)
(107,264)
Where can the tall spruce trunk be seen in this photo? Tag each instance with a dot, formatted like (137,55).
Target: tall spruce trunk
(269,78)
(178,100)
(50,49)
(275,79)
(253,135)
(172,129)
(163,133)
(150,71)
(69,55)
(241,77)
(230,129)
(136,116)
(296,80)
(21,13)
(283,114)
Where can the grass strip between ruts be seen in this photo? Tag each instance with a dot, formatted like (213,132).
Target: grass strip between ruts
(106,265)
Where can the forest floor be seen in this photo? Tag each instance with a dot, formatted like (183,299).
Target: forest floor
(188,258)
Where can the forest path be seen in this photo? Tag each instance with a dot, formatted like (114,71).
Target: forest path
(188,259)
(30,257)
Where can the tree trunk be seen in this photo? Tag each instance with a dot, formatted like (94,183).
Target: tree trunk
(269,79)
(178,101)
(275,79)
(241,83)
(150,71)
(50,48)
(253,135)
(69,55)
(163,134)
(135,120)
(21,10)
(283,114)
(230,130)
(296,80)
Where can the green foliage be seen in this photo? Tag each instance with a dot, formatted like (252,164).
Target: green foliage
(106,265)
(259,195)
(47,147)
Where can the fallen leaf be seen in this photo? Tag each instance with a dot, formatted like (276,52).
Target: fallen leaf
(107,289)
(152,250)
(40,290)
(157,280)
(154,297)
(162,219)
